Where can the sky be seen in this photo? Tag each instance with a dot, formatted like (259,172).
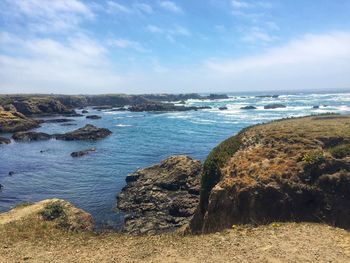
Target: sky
(179,46)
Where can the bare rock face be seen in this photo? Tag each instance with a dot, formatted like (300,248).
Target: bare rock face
(88,132)
(56,212)
(161,198)
(288,170)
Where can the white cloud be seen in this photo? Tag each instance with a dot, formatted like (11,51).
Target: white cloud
(140,8)
(154,29)
(256,34)
(127,44)
(240,4)
(170,33)
(45,64)
(48,16)
(171,6)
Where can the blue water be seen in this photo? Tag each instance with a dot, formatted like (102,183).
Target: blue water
(138,140)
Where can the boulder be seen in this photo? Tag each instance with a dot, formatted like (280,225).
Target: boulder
(223,108)
(161,198)
(248,108)
(88,132)
(84,111)
(4,140)
(274,106)
(82,153)
(290,170)
(30,136)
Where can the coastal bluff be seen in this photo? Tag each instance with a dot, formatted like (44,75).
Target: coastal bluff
(294,169)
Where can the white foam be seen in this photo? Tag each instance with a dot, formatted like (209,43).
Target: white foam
(123,125)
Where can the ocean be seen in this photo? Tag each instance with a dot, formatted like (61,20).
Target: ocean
(45,169)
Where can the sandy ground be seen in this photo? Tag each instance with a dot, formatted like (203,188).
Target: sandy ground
(274,243)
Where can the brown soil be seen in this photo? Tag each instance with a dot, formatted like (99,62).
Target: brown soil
(288,242)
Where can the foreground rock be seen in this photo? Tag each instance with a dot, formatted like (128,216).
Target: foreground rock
(4,140)
(52,212)
(13,121)
(162,197)
(289,170)
(82,153)
(31,136)
(88,132)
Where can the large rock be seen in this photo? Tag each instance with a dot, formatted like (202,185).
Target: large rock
(82,153)
(88,132)
(31,136)
(51,212)
(162,197)
(13,121)
(274,106)
(41,105)
(289,170)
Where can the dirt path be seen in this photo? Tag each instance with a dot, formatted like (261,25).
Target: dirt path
(275,243)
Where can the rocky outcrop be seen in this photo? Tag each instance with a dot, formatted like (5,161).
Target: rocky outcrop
(93,117)
(13,121)
(289,170)
(248,108)
(82,153)
(223,108)
(274,106)
(51,212)
(216,97)
(4,140)
(88,132)
(30,136)
(162,197)
(41,105)
(162,107)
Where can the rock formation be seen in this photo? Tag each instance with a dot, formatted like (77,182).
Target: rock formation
(88,132)
(162,197)
(289,170)
(31,136)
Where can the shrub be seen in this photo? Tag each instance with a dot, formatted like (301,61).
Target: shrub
(340,151)
(212,165)
(22,204)
(313,158)
(53,211)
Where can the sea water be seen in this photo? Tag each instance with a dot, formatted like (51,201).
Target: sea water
(46,170)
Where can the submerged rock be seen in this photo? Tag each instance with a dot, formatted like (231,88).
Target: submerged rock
(30,136)
(248,108)
(84,111)
(93,117)
(58,120)
(274,106)
(289,170)
(88,132)
(4,140)
(82,153)
(162,197)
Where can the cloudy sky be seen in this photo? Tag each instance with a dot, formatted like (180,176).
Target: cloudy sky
(144,46)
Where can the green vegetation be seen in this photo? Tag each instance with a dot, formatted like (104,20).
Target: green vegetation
(313,157)
(53,211)
(212,165)
(340,151)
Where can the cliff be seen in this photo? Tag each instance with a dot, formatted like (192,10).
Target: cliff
(288,170)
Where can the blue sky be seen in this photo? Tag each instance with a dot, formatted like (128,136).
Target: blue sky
(141,46)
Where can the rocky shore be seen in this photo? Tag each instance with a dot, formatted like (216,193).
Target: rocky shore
(161,198)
